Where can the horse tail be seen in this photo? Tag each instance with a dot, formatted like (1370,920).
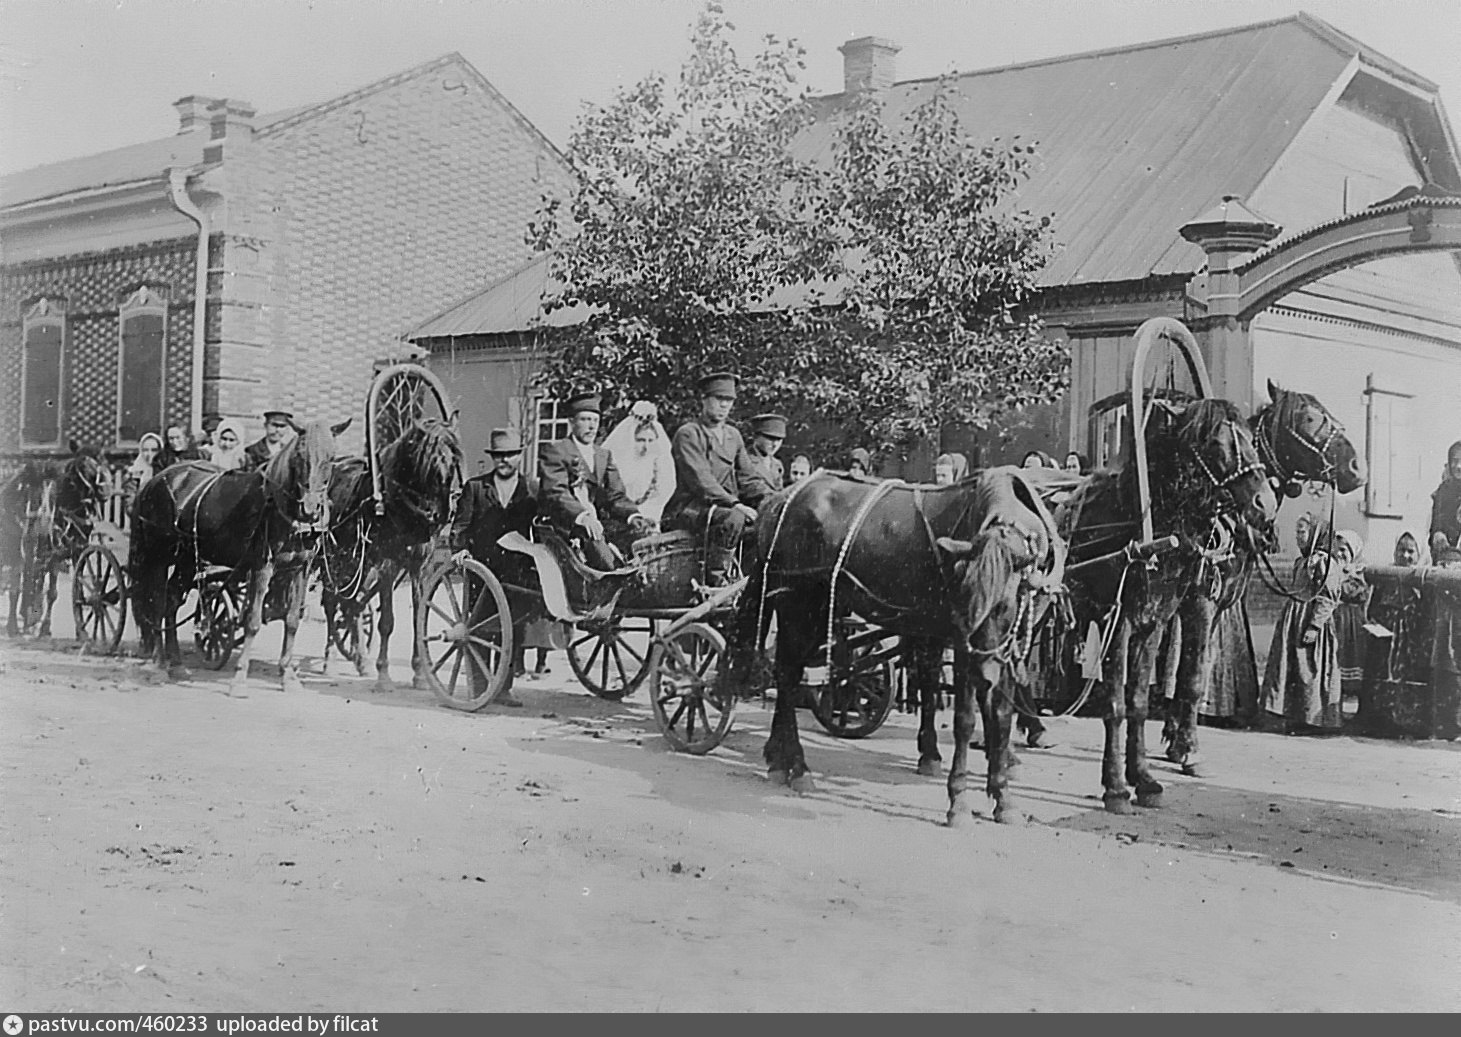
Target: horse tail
(995,558)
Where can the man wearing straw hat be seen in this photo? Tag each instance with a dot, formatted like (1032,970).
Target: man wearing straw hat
(717,485)
(581,491)
(491,505)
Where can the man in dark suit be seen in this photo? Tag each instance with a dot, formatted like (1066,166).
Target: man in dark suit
(717,485)
(491,505)
(582,494)
(767,433)
(278,430)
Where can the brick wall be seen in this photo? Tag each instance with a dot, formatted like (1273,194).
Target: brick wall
(94,285)
(386,208)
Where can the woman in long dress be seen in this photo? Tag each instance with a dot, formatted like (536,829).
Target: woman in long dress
(641,452)
(1301,682)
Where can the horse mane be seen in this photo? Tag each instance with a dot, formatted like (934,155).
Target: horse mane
(1203,419)
(996,556)
(427,448)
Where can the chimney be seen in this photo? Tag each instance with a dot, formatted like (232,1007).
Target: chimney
(193,111)
(868,64)
(231,123)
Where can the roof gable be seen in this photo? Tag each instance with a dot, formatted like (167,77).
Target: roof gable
(150,160)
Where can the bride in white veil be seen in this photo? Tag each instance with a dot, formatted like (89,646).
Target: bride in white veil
(641,452)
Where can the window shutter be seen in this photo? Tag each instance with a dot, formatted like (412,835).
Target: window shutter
(1387,433)
(142,359)
(42,385)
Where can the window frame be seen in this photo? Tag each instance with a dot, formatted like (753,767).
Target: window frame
(38,315)
(552,423)
(145,300)
(1389,508)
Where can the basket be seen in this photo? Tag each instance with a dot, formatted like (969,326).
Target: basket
(667,563)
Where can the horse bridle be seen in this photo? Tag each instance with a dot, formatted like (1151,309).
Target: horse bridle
(1270,429)
(1242,470)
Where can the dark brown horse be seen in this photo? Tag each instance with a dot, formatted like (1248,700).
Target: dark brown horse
(1208,487)
(1298,440)
(900,557)
(192,515)
(363,554)
(49,508)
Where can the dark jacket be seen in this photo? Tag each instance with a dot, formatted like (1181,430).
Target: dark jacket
(561,468)
(1446,511)
(256,454)
(706,474)
(481,518)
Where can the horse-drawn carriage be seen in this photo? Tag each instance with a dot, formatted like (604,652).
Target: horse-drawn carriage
(652,621)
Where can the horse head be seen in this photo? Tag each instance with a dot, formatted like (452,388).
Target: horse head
(84,484)
(1004,576)
(1299,439)
(299,475)
(1229,475)
(423,469)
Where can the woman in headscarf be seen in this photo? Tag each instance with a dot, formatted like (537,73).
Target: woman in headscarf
(228,446)
(641,452)
(950,468)
(177,447)
(1349,616)
(1301,682)
(1398,651)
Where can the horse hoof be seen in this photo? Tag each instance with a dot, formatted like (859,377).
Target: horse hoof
(930,768)
(958,817)
(383,686)
(802,784)
(779,777)
(1118,803)
(236,692)
(1192,769)
(419,683)
(1149,797)
(1175,755)
(179,673)
(1005,814)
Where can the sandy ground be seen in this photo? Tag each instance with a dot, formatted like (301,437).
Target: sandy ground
(164,847)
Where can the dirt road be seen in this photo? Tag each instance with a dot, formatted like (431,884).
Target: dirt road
(165,847)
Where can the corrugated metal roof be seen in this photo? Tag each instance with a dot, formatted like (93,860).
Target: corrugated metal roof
(514,303)
(1133,143)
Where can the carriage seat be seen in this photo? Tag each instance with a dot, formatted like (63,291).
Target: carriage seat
(568,558)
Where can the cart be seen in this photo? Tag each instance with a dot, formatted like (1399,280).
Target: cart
(651,622)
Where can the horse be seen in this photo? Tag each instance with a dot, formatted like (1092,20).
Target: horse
(1298,440)
(363,553)
(898,556)
(1208,486)
(49,510)
(193,514)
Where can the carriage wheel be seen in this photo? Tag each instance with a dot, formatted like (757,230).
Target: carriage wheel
(351,637)
(99,600)
(692,714)
(216,625)
(465,645)
(856,705)
(611,658)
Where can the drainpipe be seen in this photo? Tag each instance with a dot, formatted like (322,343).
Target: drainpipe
(177,180)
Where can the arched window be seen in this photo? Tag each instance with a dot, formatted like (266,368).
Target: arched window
(44,334)
(140,365)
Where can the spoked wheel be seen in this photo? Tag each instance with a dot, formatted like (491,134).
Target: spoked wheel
(216,626)
(692,714)
(99,600)
(352,632)
(611,658)
(856,705)
(464,634)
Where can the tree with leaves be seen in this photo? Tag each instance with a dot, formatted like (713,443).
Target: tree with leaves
(872,291)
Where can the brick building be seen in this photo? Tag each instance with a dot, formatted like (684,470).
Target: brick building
(252,261)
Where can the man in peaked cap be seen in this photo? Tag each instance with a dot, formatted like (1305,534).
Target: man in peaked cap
(717,484)
(768,431)
(581,491)
(279,428)
(499,502)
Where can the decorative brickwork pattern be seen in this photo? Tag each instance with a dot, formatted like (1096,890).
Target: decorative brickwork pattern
(94,285)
